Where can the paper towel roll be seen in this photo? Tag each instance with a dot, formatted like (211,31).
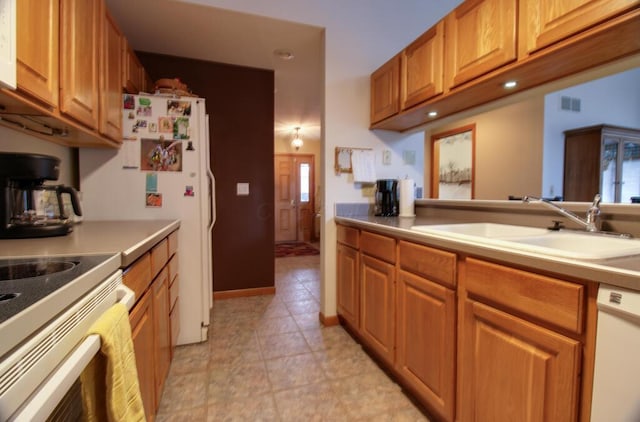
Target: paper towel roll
(407,198)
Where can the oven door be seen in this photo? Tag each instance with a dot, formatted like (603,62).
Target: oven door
(29,388)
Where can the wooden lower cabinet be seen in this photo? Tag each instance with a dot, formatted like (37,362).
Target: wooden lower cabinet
(426,343)
(514,365)
(377,306)
(348,285)
(141,319)
(153,325)
(162,329)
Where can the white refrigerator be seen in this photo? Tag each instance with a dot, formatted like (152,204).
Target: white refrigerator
(161,172)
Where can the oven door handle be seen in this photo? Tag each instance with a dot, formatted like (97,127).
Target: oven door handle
(52,390)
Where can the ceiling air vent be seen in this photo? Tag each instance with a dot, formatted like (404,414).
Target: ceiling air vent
(570,104)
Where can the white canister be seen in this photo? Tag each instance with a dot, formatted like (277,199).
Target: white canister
(407,198)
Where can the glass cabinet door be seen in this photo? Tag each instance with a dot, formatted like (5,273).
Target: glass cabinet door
(609,170)
(630,170)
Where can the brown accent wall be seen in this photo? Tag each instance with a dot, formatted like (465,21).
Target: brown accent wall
(240,105)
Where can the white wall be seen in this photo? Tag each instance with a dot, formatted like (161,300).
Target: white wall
(14,141)
(612,100)
(360,35)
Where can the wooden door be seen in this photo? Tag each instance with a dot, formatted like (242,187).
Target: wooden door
(377,306)
(425,350)
(111,79)
(79,60)
(513,370)
(542,23)
(141,319)
(37,49)
(348,284)
(385,89)
(294,197)
(422,67)
(480,37)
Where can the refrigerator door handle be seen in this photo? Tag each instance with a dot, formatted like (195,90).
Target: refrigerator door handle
(212,198)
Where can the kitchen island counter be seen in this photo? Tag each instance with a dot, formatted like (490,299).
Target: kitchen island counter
(129,238)
(621,272)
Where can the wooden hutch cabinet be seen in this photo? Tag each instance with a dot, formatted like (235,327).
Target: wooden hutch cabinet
(601,159)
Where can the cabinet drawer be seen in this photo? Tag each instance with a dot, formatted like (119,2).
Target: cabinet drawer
(173,243)
(137,276)
(430,263)
(382,247)
(159,257)
(547,299)
(348,236)
(174,290)
(173,268)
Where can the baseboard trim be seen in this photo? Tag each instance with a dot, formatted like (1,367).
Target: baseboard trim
(230,294)
(328,321)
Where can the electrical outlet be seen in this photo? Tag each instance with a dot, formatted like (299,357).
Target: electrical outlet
(386,157)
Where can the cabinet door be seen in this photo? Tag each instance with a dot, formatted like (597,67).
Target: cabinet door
(111,80)
(79,60)
(377,310)
(141,319)
(422,68)
(513,370)
(480,37)
(348,284)
(425,350)
(542,23)
(162,329)
(37,49)
(132,70)
(385,88)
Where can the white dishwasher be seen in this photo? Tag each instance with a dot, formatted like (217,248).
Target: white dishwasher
(616,387)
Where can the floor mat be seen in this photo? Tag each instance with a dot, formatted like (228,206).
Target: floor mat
(285,249)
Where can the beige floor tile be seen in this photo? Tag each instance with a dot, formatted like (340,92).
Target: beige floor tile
(190,415)
(281,345)
(308,321)
(315,402)
(254,409)
(303,306)
(294,371)
(279,325)
(184,391)
(237,382)
(328,337)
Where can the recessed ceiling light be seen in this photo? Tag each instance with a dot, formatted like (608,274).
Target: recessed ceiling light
(432,114)
(283,54)
(510,84)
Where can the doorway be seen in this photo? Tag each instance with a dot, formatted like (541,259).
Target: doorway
(294,197)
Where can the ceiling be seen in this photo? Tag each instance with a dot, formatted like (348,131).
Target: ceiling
(201,32)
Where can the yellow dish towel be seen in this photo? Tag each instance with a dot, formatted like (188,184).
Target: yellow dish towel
(110,389)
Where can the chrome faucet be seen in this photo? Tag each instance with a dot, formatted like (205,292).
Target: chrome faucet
(592,221)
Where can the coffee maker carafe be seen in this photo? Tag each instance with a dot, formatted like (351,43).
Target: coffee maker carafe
(386,198)
(28,207)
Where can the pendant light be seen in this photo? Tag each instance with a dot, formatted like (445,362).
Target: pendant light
(297,141)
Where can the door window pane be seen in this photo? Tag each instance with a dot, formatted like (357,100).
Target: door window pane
(630,171)
(304,182)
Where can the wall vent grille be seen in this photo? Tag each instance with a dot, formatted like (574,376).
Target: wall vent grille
(570,104)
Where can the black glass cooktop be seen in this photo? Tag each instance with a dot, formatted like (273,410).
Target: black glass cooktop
(25,281)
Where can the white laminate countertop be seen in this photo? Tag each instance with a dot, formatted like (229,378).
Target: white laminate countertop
(621,272)
(129,238)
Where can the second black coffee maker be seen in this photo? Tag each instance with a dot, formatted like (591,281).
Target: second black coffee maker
(386,198)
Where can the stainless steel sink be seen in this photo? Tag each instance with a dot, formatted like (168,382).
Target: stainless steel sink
(564,244)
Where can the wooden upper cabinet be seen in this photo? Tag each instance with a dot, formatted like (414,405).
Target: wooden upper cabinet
(480,37)
(111,79)
(421,68)
(385,88)
(79,60)
(37,49)
(544,22)
(133,72)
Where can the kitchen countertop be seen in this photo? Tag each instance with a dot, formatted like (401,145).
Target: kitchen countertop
(621,272)
(130,239)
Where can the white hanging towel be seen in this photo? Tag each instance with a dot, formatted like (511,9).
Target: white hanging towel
(363,166)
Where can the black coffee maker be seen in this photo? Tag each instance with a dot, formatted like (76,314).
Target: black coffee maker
(28,207)
(386,198)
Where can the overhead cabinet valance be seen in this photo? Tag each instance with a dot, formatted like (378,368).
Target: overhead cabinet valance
(464,60)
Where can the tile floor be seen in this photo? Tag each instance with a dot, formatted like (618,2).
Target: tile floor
(269,359)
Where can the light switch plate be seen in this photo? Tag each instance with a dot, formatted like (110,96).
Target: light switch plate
(242,189)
